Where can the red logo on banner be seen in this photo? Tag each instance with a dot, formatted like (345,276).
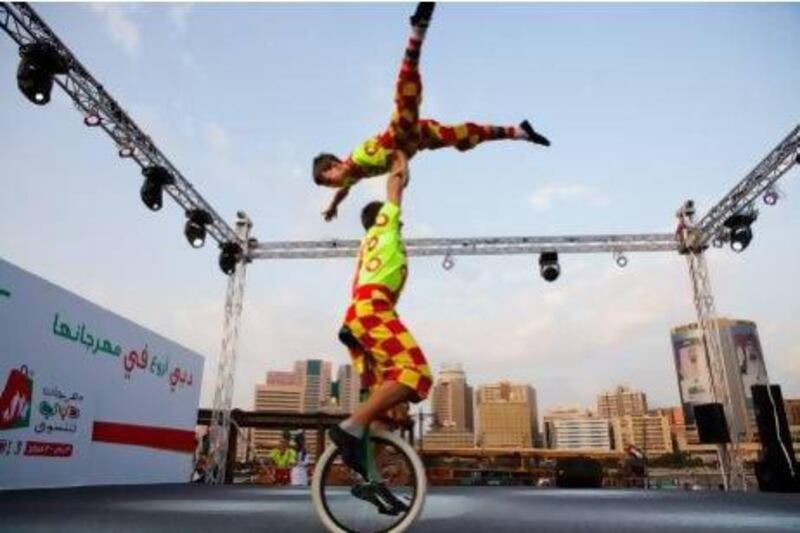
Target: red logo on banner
(15,400)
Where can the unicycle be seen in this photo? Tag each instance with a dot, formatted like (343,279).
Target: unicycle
(347,502)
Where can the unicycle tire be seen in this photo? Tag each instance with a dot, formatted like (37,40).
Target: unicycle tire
(333,484)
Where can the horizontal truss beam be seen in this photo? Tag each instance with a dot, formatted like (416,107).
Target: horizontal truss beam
(654,242)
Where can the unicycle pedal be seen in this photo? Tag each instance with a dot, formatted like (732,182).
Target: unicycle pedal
(380,496)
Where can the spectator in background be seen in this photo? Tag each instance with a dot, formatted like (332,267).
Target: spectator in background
(283,458)
(300,468)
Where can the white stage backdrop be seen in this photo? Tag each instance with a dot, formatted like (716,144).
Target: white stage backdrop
(86,396)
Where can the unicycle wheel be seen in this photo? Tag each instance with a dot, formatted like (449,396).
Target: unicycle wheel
(345,502)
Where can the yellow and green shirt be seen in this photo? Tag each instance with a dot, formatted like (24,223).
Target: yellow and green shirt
(370,158)
(382,257)
(283,460)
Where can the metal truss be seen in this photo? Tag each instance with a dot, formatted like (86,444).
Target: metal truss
(760,180)
(24,26)
(731,458)
(226,366)
(618,244)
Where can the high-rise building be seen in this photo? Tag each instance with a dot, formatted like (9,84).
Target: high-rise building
(743,362)
(348,384)
(452,401)
(286,397)
(314,376)
(280,377)
(506,415)
(572,428)
(649,433)
(278,394)
(306,389)
(677,426)
(447,440)
(621,401)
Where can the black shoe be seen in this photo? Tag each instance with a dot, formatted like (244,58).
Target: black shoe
(422,16)
(534,137)
(350,449)
(381,497)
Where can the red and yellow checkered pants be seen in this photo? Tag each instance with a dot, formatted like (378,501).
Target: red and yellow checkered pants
(393,354)
(410,133)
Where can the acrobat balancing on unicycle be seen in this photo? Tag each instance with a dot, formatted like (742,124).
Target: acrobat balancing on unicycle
(380,483)
(371,479)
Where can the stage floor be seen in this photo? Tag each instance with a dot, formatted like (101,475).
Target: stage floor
(239,508)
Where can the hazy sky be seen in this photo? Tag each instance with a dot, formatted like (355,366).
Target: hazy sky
(646,106)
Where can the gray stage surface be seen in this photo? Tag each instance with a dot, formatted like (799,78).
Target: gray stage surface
(240,508)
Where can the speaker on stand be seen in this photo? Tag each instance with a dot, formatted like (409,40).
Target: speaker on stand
(712,427)
(777,470)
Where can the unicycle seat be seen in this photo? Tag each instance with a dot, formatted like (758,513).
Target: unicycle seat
(347,338)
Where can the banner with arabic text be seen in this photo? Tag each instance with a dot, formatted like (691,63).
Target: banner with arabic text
(88,397)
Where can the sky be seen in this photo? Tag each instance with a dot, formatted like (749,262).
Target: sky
(646,106)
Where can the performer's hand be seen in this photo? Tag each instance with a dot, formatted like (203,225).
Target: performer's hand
(330,213)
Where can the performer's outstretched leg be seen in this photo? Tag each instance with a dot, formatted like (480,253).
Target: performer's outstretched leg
(468,135)
(404,125)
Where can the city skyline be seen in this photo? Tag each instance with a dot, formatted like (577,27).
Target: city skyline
(646,105)
(602,405)
(630,401)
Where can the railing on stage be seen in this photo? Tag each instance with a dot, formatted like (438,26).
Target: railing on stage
(275,420)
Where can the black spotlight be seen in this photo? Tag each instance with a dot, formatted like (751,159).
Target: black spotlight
(230,255)
(40,62)
(154,180)
(195,229)
(548,266)
(740,232)
(740,238)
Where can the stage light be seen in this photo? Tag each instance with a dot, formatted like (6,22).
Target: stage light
(155,178)
(40,62)
(621,259)
(230,255)
(740,238)
(771,197)
(125,150)
(718,242)
(740,232)
(195,229)
(448,262)
(548,266)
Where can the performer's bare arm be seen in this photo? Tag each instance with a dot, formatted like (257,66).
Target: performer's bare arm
(333,208)
(398,178)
